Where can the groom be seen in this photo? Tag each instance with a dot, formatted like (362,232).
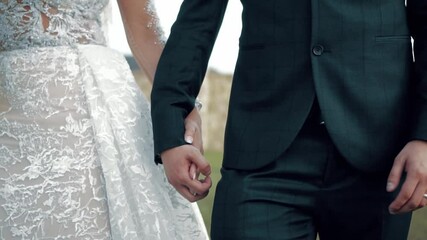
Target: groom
(327,125)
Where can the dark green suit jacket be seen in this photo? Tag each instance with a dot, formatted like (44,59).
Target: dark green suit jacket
(355,56)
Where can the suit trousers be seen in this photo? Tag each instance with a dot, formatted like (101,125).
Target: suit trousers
(309,190)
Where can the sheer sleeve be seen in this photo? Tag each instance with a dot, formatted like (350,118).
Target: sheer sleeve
(143,32)
(106,20)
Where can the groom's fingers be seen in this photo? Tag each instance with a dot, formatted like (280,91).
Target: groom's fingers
(197,190)
(202,164)
(196,187)
(191,196)
(199,187)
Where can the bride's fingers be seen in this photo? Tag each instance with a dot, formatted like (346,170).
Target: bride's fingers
(197,139)
(197,175)
(193,130)
(198,143)
(189,134)
(193,172)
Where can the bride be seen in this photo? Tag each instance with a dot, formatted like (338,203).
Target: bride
(76,150)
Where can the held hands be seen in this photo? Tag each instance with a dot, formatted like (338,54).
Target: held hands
(413,160)
(183,164)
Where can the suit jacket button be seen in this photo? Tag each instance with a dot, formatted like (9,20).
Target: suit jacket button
(318,50)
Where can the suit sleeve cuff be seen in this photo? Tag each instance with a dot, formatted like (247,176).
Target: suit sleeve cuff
(168,129)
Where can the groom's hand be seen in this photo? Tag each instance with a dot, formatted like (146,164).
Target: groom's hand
(413,160)
(179,163)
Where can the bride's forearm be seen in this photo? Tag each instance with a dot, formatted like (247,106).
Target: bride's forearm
(143,33)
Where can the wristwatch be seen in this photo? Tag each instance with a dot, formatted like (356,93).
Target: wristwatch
(198,104)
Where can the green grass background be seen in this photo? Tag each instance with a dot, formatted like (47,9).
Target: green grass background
(418,229)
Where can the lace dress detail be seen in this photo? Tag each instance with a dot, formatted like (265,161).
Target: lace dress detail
(75,134)
(30,23)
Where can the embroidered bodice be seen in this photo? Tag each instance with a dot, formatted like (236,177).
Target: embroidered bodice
(29,23)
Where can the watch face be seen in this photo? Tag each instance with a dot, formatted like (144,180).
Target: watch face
(198,104)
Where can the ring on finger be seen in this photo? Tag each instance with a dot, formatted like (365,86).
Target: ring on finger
(425,195)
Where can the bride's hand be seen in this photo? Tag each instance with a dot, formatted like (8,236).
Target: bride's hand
(193,130)
(193,135)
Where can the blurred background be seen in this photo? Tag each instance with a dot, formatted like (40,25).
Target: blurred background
(215,92)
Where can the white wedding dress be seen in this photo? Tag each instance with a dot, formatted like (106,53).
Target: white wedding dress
(76,150)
